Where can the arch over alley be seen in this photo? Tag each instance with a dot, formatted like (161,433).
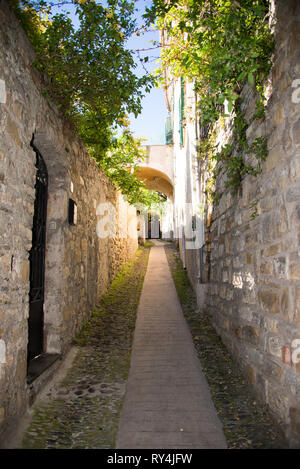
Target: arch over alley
(157,170)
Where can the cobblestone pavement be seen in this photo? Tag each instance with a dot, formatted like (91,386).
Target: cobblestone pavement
(83,410)
(246,422)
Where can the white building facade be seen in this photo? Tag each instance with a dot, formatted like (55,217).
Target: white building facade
(182,131)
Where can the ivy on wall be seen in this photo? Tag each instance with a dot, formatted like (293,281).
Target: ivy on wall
(220,45)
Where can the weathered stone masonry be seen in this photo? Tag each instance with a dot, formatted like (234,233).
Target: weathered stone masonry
(79,264)
(254,290)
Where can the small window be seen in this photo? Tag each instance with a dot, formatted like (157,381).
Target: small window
(72,212)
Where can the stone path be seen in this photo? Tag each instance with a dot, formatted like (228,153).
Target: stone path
(167,402)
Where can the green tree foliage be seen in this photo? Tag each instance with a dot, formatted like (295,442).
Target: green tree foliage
(91,74)
(121,165)
(219,45)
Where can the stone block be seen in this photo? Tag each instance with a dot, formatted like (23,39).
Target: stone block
(84,244)
(5,264)
(273,370)
(268,227)
(225,276)
(295,167)
(295,217)
(294,38)
(17,108)
(294,272)
(245,314)
(251,374)
(278,401)
(274,158)
(24,272)
(297,304)
(293,193)
(279,114)
(13,132)
(229,295)
(285,304)
(237,330)
(266,268)
(251,238)
(294,415)
(294,257)
(249,258)
(269,301)
(21,367)
(281,222)
(222,292)
(292,382)
(251,334)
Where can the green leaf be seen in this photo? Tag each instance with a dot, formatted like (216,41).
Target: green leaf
(251,79)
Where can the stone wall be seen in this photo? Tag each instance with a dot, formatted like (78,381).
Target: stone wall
(80,265)
(254,289)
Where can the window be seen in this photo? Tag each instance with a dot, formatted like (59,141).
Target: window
(72,212)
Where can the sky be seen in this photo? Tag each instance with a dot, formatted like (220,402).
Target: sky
(150,124)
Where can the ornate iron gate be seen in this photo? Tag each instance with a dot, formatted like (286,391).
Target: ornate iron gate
(37,260)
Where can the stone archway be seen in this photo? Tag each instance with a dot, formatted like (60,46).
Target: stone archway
(158,175)
(156,180)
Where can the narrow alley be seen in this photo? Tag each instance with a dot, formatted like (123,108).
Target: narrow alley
(140,386)
(149,224)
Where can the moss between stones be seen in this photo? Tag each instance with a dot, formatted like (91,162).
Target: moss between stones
(84,412)
(247,423)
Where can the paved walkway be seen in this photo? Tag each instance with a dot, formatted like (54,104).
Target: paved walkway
(167,403)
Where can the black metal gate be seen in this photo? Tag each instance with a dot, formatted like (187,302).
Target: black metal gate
(37,260)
